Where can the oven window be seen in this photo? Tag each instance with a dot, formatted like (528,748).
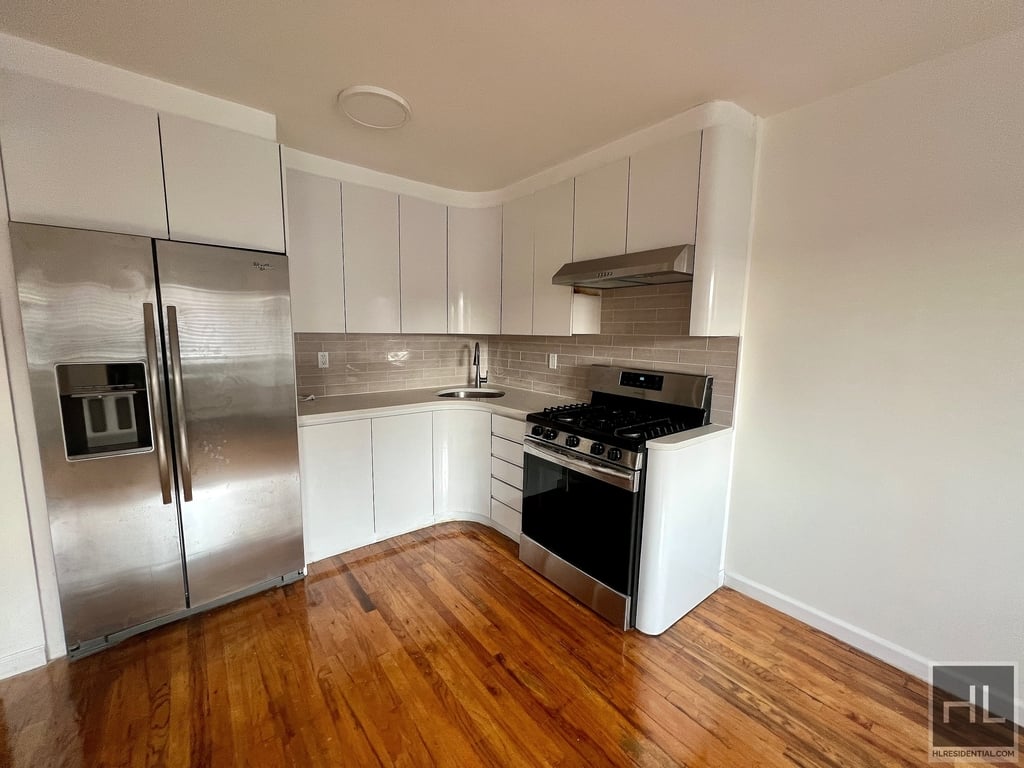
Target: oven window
(588,523)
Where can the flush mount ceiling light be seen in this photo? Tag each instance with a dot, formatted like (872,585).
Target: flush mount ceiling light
(374,107)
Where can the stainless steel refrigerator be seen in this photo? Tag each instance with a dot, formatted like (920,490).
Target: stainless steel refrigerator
(163,386)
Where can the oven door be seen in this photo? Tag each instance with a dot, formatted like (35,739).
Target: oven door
(581,528)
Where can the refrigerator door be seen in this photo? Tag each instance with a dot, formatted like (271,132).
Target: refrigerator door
(88,303)
(232,381)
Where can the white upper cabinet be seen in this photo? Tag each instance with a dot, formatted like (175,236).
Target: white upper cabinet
(223,187)
(552,247)
(424,265)
(77,159)
(723,224)
(600,221)
(372,282)
(517,266)
(663,194)
(315,266)
(474,270)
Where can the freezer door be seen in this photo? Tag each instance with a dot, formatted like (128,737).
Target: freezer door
(232,371)
(94,358)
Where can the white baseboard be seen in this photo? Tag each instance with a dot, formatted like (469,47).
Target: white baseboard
(871,644)
(868,642)
(22,661)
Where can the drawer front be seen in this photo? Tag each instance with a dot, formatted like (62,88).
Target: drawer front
(506,517)
(507,495)
(507,473)
(507,450)
(510,429)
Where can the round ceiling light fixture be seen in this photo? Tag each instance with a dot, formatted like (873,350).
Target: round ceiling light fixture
(374,107)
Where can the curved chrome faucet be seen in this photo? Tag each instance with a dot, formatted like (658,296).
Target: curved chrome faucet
(477,378)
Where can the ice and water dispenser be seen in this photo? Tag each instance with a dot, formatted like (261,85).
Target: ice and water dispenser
(104,409)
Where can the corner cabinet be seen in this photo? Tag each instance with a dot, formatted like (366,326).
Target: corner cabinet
(77,159)
(462,442)
(474,270)
(223,187)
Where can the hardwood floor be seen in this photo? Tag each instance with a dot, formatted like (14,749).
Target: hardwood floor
(440,648)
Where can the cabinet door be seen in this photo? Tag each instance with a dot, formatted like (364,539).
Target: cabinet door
(599,228)
(462,447)
(552,247)
(403,473)
(474,270)
(423,247)
(223,186)
(315,267)
(337,490)
(517,266)
(663,194)
(76,159)
(370,232)
(723,224)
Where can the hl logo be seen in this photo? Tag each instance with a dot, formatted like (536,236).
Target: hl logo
(971,705)
(972,713)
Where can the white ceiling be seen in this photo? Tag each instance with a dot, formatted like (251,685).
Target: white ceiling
(503,89)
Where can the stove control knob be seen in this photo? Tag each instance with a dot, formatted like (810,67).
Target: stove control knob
(550,434)
(572,441)
(537,431)
(614,454)
(597,448)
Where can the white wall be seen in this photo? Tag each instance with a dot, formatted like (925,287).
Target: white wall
(879,475)
(21,641)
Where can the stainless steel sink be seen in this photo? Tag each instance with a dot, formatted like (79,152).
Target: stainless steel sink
(470,392)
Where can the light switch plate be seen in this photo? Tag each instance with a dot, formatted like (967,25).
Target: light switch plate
(552,361)
(322,360)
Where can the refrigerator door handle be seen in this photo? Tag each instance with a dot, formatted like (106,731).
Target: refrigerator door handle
(179,402)
(156,401)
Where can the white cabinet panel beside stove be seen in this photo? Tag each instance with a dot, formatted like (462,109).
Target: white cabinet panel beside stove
(683,524)
(461,466)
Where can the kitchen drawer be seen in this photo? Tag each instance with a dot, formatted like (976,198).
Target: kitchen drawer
(507,473)
(510,429)
(506,517)
(507,495)
(507,450)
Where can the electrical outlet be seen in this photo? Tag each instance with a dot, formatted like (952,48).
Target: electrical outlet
(552,361)
(322,360)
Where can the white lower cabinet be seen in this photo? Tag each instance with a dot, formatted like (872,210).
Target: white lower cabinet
(461,463)
(365,480)
(403,473)
(337,487)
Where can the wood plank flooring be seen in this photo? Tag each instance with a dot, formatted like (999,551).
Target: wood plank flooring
(440,648)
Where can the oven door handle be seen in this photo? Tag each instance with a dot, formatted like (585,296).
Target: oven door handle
(629,481)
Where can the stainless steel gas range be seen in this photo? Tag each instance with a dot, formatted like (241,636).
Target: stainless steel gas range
(584,469)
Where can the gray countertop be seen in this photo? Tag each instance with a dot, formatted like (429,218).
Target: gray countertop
(516,404)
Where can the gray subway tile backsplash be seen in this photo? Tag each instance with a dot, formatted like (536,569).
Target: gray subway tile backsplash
(630,337)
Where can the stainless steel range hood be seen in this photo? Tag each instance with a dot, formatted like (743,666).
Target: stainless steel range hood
(661,265)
